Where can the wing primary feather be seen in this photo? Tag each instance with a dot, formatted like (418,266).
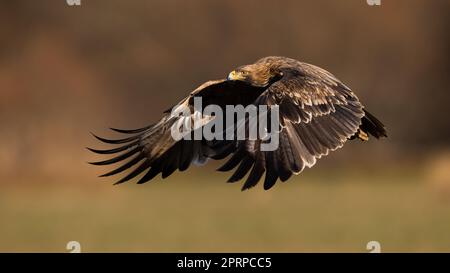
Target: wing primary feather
(233,162)
(171,163)
(168,170)
(271,173)
(154,171)
(224,151)
(256,172)
(282,157)
(133,131)
(125,166)
(116,141)
(118,158)
(185,156)
(242,170)
(134,173)
(113,151)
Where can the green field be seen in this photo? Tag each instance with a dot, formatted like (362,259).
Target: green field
(309,213)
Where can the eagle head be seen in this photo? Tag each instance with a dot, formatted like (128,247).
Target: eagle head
(257,74)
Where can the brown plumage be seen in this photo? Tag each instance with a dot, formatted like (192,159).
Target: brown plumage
(318,114)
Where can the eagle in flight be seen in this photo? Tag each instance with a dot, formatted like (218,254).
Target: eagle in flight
(317,114)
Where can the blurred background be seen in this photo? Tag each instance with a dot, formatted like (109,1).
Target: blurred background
(68,70)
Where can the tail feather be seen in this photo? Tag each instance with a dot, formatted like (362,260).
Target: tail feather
(371,125)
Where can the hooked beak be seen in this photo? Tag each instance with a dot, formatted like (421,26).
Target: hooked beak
(235,76)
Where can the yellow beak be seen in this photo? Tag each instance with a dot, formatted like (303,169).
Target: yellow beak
(235,76)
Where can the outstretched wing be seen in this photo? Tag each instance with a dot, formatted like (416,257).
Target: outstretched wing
(318,114)
(153,149)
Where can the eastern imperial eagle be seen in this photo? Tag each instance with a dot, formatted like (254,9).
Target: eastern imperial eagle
(317,114)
